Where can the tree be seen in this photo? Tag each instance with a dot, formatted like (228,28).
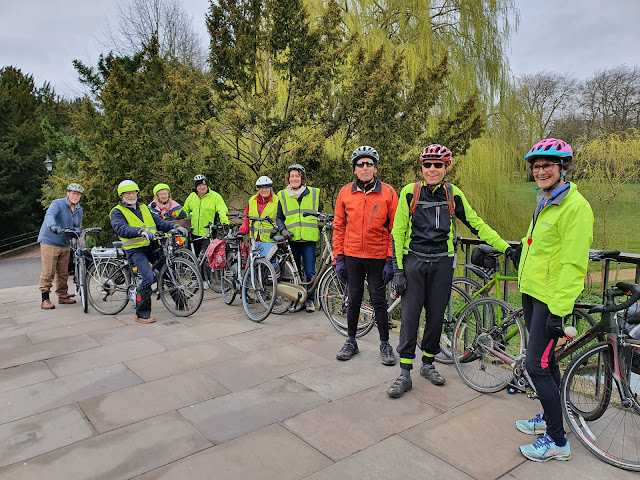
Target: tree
(611,161)
(545,96)
(22,150)
(138,20)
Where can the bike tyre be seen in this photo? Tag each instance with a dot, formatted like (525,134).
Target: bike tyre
(263,291)
(108,286)
(187,288)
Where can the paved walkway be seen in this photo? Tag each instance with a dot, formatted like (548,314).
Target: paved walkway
(216,396)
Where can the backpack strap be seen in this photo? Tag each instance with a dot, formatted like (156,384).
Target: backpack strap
(448,191)
(416,197)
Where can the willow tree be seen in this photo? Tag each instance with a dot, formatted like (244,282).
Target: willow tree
(611,161)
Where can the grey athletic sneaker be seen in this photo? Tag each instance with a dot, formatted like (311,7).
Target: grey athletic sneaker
(310,306)
(347,351)
(401,385)
(386,353)
(430,372)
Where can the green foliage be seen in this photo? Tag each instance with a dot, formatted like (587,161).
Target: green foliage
(22,150)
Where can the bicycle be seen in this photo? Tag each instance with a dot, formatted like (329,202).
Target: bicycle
(232,273)
(210,278)
(492,279)
(607,420)
(489,345)
(80,262)
(112,280)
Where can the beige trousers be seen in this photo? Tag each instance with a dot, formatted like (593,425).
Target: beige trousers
(55,263)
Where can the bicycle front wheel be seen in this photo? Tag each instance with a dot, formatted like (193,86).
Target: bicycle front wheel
(458,301)
(334,302)
(607,425)
(180,287)
(82,282)
(107,285)
(488,338)
(229,278)
(259,290)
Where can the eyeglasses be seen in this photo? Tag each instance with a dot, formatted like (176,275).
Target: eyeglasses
(365,164)
(437,165)
(546,167)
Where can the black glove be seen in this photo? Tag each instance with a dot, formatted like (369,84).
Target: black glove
(514,255)
(153,205)
(400,282)
(56,229)
(555,326)
(286,234)
(341,269)
(387,273)
(181,230)
(146,234)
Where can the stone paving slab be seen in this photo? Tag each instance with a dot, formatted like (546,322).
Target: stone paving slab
(181,360)
(134,331)
(116,455)
(346,426)
(460,436)
(103,356)
(331,343)
(230,416)
(50,394)
(20,354)
(244,372)
(184,337)
(267,454)
(13,378)
(130,405)
(42,433)
(90,326)
(12,326)
(338,379)
(393,458)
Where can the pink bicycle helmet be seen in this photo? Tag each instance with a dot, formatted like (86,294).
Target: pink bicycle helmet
(550,147)
(436,152)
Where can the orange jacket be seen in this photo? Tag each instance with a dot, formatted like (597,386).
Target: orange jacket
(363,221)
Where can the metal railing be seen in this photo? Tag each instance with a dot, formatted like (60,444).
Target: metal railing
(16,241)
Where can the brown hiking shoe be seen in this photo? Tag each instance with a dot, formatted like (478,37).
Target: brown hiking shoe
(144,320)
(47,305)
(66,301)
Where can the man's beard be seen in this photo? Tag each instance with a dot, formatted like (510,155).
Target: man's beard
(130,202)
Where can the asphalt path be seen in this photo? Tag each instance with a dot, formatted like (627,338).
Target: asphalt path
(21,269)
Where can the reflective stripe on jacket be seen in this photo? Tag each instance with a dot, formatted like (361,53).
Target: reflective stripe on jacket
(263,230)
(133,221)
(555,252)
(433,230)
(301,227)
(363,221)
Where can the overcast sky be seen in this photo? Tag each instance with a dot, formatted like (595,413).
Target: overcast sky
(42,37)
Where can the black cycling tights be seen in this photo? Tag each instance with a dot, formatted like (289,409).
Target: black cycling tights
(542,366)
(357,270)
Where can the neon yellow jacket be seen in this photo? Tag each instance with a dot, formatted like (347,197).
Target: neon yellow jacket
(434,233)
(555,251)
(202,211)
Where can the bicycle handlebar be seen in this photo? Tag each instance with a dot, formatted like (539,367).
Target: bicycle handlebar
(82,233)
(601,255)
(630,289)
(322,217)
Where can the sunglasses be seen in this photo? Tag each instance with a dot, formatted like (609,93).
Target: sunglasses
(437,165)
(365,164)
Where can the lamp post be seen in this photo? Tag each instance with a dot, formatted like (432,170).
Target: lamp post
(49,164)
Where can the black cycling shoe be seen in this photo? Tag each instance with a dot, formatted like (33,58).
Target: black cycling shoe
(386,353)
(429,371)
(401,385)
(347,351)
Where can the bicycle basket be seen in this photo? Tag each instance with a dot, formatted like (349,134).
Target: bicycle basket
(482,260)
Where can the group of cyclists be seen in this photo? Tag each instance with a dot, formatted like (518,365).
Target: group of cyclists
(408,239)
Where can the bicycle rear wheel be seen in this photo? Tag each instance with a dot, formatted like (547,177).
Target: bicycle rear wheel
(229,278)
(605,424)
(180,287)
(82,282)
(107,286)
(334,302)
(259,290)
(488,338)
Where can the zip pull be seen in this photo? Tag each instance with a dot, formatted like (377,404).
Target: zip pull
(437,217)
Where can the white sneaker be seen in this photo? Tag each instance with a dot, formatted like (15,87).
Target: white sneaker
(310,306)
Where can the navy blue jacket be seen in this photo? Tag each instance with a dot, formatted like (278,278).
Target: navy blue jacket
(122,228)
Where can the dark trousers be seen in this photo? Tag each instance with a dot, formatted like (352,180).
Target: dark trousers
(140,259)
(305,253)
(357,270)
(542,366)
(199,245)
(428,287)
